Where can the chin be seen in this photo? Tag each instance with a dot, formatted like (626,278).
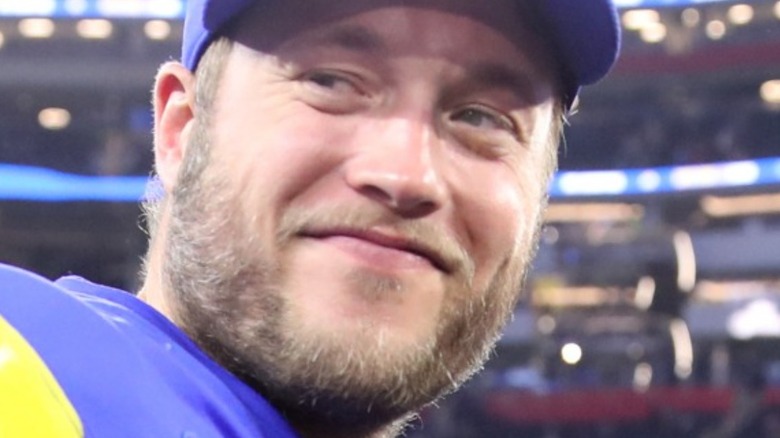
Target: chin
(361,306)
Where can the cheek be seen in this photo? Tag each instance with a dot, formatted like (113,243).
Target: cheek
(280,157)
(502,219)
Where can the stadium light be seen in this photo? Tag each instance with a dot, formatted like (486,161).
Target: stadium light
(645,293)
(593,212)
(653,33)
(546,324)
(683,348)
(54,119)
(643,376)
(637,19)
(36,27)
(716,29)
(742,205)
(571,353)
(758,318)
(94,29)
(686,261)
(740,14)
(691,17)
(770,92)
(157,30)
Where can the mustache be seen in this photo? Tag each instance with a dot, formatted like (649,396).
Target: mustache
(419,233)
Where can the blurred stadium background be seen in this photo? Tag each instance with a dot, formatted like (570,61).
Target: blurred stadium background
(652,310)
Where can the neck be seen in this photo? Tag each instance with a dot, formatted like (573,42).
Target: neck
(152,290)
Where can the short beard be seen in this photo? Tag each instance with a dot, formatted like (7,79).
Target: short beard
(226,293)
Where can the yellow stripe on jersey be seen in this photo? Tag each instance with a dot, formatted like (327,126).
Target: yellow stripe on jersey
(32,404)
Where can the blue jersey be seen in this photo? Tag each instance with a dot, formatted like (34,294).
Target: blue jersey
(80,359)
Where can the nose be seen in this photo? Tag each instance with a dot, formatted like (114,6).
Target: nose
(395,167)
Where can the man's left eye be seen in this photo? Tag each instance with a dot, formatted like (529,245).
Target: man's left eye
(483,118)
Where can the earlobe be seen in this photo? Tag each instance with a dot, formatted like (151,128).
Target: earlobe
(174,112)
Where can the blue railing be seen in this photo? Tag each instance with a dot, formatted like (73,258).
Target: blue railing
(627,182)
(23,183)
(26,183)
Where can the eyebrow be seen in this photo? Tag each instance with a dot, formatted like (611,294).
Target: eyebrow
(498,75)
(352,37)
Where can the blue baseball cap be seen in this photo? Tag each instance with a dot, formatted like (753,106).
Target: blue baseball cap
(585,34)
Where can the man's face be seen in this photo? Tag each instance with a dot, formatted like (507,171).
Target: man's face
(358,208)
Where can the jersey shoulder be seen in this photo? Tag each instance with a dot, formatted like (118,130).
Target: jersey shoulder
(111,354)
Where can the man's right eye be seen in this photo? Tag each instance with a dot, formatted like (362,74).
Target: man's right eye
(332,82)
(335,91)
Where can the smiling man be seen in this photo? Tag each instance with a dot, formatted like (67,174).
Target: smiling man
(353,194)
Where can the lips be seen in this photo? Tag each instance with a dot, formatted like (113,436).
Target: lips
(386,240)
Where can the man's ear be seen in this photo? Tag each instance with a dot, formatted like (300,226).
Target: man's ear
(174,112)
